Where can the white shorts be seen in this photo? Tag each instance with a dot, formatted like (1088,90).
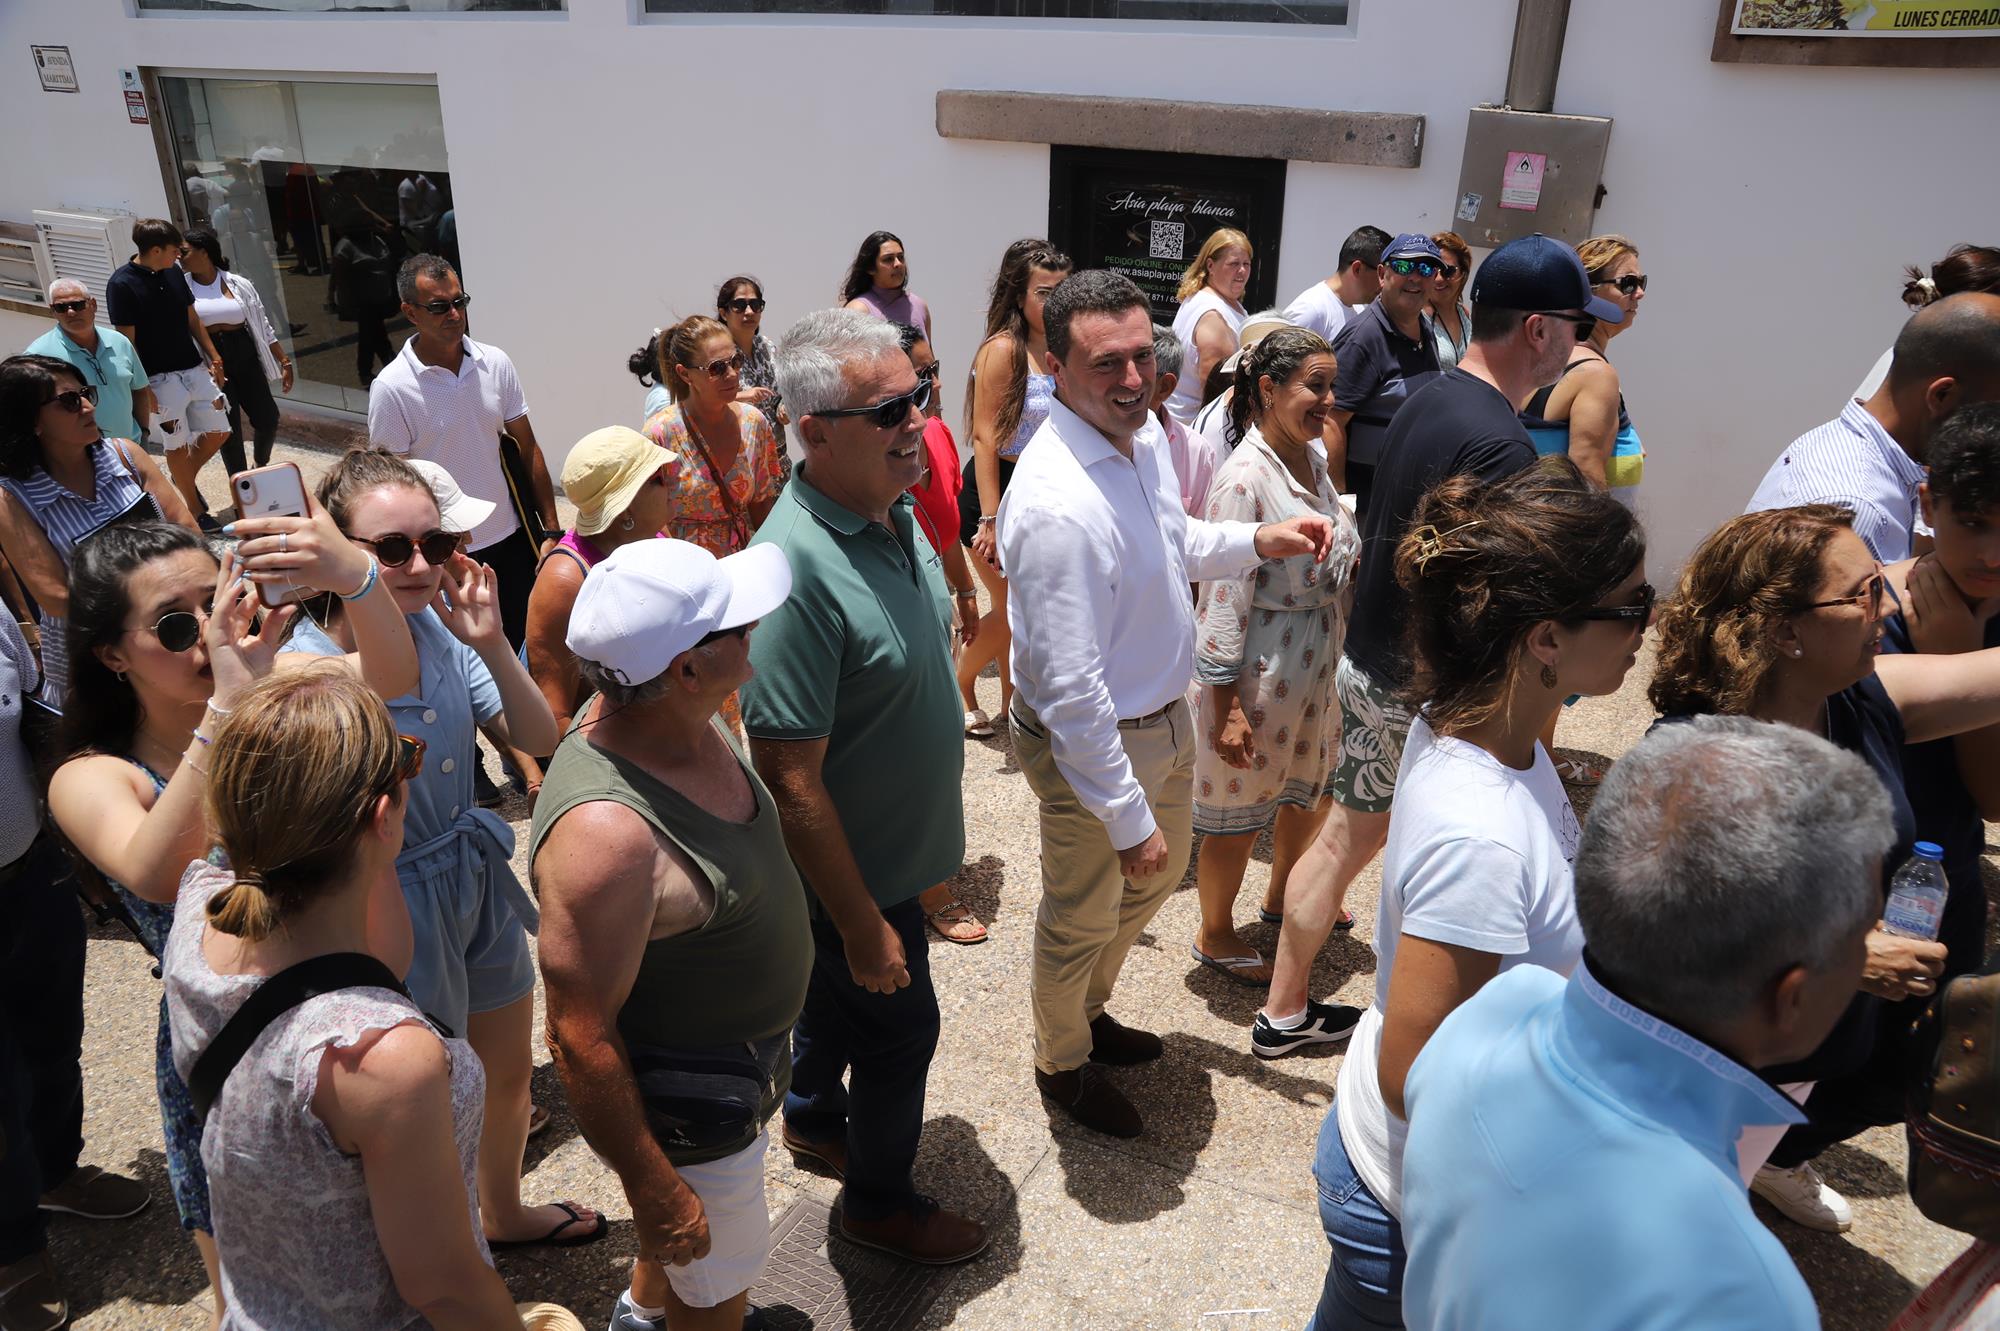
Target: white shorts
(739,1227)
(190,400)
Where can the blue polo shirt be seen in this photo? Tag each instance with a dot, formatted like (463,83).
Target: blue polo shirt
(113,368)
(860,655)
(1379,368)
(1572,1163)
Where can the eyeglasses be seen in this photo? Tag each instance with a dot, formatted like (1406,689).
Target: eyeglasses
(1869,596)
(720,369)
(69,306)
(745,305)
(177,630)
(890,412)
(395,549)
(71,400)
(1449,271)
(1586,324)
(444,307)
(741,630)
(409,757)
(1631,284)
(930,372)
(1421,267)
(1634,612)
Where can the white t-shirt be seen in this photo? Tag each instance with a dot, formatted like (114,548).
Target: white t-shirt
(1478,856)
(1186,399)
(214,303)
(1320,308)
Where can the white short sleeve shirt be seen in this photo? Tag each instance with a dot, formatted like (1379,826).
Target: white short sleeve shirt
(454,420)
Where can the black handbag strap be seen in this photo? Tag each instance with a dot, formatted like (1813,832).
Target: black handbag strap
(272,1000)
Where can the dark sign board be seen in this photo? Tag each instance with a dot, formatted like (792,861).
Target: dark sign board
(1146,215)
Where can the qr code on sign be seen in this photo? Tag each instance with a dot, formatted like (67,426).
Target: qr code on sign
(1169,240)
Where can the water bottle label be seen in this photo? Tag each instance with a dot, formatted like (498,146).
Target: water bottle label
(1912,916)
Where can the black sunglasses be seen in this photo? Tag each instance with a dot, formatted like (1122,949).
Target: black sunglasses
(71,400)
(890,412)
(177,630)
(1449,271)
(395,549)
(1421,267)
(69,306)
(930,373)
(444,307)
(1586,324)
(1631,284)
(1639,611)
(737,632)
(745,304)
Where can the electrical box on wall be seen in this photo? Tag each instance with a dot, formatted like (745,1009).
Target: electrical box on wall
(1528,171)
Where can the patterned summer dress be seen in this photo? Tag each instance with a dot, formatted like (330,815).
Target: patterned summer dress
(701,513)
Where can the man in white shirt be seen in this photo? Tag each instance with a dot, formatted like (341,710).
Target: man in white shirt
(1100,554)
(445,399)
(1329,306)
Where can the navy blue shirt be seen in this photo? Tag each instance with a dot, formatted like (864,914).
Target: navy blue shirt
(1379,369)
(154,305)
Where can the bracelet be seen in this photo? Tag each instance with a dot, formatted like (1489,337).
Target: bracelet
(219,711)
(205,740)
(189,762)
(367,583)
(965,594)
(989,521)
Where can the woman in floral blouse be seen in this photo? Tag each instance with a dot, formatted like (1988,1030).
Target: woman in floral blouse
(726,473)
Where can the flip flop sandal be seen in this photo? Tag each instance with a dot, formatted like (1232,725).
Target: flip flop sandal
(978,724)
(1576,772)
(956,913)
(1233,967)
(1345,923)
(538,1121)
(555,1237)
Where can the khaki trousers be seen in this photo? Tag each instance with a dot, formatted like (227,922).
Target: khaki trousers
(1090,912)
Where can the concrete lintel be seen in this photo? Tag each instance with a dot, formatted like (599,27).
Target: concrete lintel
(1289,133)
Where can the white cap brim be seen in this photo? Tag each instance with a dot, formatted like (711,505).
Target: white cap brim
(465,513)
(760,578)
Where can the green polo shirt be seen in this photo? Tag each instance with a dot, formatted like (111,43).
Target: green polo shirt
(860,655)
(113,369)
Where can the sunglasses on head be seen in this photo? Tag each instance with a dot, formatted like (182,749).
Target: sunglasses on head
(745,304)
(1421,267)
(177,630)
(890,412)
(444,307)
(71,400)
(1586,324)
(1634,612)
(395,549)
(409,757)
(1631,284)
(69,306)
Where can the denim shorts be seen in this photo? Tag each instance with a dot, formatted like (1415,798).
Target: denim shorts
(1364,1278)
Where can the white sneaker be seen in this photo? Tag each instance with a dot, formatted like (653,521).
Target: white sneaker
(1802,1195)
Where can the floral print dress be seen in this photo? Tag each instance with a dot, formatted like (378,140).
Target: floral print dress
(702,513)
(1276,632)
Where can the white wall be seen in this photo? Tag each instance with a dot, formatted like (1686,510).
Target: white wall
(608,171)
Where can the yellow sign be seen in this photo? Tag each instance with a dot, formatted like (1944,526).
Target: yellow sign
(1868,18)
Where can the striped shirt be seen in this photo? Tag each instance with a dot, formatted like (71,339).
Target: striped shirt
(68,519)
(454,420)
(20,811)
(1851,461)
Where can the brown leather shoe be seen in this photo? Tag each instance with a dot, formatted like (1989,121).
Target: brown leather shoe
(96,1195)
(1088,1096)
(830,1156)
(33,1301)
(926,1234)
(1120,1045)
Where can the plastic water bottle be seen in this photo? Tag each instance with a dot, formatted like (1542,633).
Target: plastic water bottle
(1916,894)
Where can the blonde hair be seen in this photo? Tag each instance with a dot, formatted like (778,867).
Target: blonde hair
(1196,276)
(677,348)
(293,773)
(1599,253)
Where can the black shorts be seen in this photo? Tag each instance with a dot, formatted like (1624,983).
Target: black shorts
(968,498)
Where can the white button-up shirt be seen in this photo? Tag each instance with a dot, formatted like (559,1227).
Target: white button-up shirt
(1851,460)
(454,420)
(1098,555)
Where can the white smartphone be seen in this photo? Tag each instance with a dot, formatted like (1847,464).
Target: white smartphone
(276,491)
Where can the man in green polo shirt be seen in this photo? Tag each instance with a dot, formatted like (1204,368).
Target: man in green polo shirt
(853,717)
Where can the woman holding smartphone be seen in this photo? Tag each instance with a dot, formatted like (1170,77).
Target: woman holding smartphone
(165,640)
(471,968)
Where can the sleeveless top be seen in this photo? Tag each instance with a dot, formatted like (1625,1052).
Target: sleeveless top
(741,976)
(901,307)
(68,519)
(1035,401)
(1187,394)
(1627,462)
(292,1220)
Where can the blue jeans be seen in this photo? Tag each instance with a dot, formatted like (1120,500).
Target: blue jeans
(882,1045)
(1364,1280)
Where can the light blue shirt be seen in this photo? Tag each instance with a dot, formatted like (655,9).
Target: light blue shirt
(1572,1163)
(1852,461)
(113,368)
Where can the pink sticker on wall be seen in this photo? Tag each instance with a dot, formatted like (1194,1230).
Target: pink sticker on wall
(1521,187)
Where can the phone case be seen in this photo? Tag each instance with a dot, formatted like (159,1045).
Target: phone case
(276,491)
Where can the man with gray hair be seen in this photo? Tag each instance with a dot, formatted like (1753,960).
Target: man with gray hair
(104,357)
(1729,874)
(853,717)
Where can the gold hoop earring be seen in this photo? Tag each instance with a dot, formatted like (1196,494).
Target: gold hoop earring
(1548,676)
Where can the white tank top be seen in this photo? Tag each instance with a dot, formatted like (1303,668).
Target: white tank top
(213,304)
(1187,394)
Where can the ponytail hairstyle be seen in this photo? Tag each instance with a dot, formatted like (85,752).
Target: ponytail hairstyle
(1965,268)
(293,777)
(359,471)
(1006,313)
(677,346)
(1277,355)
(1485,562)
(644,362)
(1196,276)
(861,273)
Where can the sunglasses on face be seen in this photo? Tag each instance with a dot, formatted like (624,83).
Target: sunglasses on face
(1421,267)
(69,306)
(890,412)
(177,630)
(395,549)
(1449,271)
(1631,284)
(1636,612)
(721,369)
(929,373)
(71,400)
(1586,324)
(745,305)
(1869,597)
(444,307)
(741,630)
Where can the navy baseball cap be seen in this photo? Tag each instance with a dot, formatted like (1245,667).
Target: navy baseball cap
(1539,273)
(1413,245)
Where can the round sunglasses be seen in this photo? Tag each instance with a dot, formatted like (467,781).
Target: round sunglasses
(177,630)
(395,550)
(890,412)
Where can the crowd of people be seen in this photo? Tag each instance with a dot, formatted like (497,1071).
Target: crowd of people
(1331,573)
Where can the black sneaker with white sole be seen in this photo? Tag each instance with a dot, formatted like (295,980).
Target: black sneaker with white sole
(1325,1023)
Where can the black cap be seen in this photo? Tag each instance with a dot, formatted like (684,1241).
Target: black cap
(1539,272)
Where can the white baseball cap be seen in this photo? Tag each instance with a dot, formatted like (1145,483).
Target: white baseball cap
(652,600)
(457,510)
